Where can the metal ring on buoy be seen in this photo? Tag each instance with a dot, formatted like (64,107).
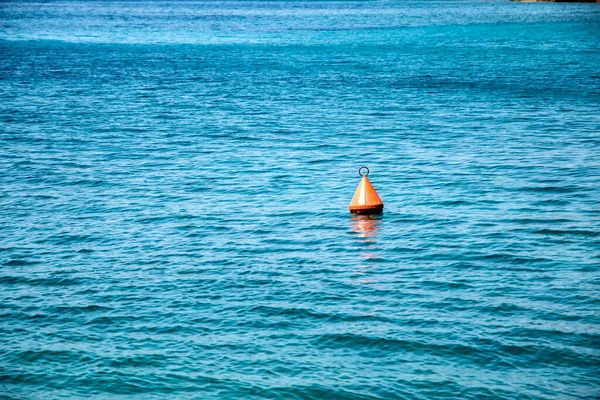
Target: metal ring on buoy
(360,169)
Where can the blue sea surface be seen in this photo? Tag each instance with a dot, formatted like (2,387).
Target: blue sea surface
(174,184)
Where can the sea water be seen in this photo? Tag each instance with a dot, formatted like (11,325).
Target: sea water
(175,177)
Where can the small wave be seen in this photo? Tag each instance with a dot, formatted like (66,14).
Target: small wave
(552,189)
(54,281)
(20,263)
(561,232)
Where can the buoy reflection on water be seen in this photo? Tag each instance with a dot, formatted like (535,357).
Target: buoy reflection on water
(365,225)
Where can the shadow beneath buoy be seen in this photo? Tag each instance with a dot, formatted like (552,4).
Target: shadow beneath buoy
(366,226)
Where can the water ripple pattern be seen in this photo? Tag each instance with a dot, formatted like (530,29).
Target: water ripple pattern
(174,183)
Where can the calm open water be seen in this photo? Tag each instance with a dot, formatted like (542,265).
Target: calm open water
(175,179)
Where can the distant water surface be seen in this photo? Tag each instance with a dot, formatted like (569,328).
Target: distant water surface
(174,182)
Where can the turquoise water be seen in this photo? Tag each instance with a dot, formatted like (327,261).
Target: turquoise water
(175,179)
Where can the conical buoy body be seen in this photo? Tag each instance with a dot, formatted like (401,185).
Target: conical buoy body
(365,200)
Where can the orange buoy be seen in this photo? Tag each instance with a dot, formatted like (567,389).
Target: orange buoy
(365,200)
